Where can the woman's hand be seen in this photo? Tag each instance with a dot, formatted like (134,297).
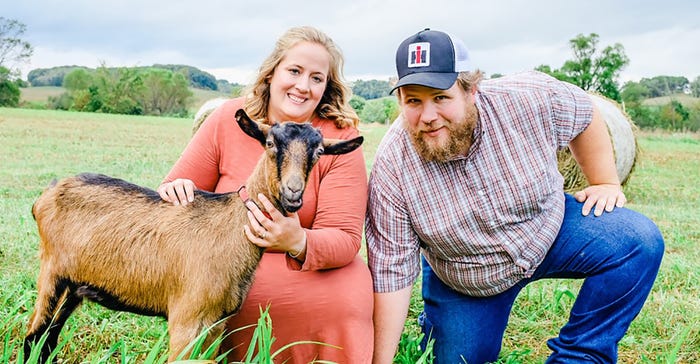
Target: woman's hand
(278,232)
(604,197)
(179,191)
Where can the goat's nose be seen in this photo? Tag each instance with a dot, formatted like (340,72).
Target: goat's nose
(295,186)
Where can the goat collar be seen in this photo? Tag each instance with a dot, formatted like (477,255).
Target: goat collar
(243,195)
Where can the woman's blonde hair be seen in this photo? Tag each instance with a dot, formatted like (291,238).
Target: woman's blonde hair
(334,104)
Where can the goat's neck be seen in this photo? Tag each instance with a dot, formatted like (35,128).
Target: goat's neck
(265,180)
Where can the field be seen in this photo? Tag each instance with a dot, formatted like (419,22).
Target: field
(686,100)
(37,146)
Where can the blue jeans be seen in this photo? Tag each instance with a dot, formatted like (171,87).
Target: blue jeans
(617,254)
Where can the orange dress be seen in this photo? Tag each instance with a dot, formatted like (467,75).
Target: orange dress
(328,299)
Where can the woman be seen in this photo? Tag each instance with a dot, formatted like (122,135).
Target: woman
(316,285)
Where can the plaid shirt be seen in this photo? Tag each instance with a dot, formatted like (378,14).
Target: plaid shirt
(483,221)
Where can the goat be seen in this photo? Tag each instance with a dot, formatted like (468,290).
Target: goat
(123,247)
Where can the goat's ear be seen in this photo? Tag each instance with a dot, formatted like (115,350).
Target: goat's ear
(339,146)
(253,129)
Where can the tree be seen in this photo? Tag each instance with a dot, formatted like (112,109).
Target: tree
(196,77)
(164,92)
(591,72)
(13,50)
(116,90)
(664,85)
(78,79)
(674,116)
(372,89)
(634,92)
(149,91)
(9,90)
(383,110)
(695,87)
(51,76)
(357,103)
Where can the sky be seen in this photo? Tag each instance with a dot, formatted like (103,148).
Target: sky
(230,38)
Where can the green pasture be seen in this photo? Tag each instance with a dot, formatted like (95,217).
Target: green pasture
(37,146)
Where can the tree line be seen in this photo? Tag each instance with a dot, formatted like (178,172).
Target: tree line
(197,78)
(133,91)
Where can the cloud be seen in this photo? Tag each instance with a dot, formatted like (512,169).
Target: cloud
(230,39)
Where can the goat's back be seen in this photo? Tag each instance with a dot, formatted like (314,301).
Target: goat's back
(124,240)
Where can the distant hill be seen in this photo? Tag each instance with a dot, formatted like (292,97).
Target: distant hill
(198,79)
(50,76)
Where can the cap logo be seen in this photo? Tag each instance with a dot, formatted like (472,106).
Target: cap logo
(419,54)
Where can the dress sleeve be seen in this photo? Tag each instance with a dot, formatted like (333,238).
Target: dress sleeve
(200,160)
(336,233)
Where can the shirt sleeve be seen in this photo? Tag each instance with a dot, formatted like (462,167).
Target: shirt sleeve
(393,248)
(199,161)
(572,111)
(335,237)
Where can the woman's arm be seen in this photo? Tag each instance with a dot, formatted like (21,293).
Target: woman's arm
(198,165)
(336,234)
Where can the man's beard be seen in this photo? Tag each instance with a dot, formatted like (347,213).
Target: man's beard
(458,143)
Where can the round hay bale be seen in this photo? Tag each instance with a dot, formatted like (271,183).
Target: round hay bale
(622,133)
(205,110)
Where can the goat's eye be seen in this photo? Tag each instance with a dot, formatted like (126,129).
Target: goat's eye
(269,144)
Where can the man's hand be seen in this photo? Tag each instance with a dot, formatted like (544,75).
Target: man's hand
(604,197)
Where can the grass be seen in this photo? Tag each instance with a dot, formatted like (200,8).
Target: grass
(686,100)
(37,146)
(40,94)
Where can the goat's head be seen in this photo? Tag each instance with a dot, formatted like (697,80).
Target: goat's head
(293,148)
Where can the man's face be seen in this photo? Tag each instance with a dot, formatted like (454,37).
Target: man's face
(440,122)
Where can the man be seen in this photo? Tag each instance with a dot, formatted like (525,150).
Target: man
(468,177)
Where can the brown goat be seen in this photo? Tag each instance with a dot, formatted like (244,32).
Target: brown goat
(122,246)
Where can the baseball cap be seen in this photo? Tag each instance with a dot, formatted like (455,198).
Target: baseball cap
(431,58)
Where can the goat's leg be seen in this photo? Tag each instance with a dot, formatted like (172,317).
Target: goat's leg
(181,334)
(55,303)
(50,292)
(214,332)
(184,328)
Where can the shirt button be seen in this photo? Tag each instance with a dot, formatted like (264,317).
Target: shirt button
(480,192)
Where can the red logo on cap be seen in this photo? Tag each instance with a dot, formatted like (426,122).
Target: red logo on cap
(419,54)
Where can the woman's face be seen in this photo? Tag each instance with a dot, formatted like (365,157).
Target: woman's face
(298,83)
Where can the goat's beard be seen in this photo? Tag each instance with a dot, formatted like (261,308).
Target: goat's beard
(458,142)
